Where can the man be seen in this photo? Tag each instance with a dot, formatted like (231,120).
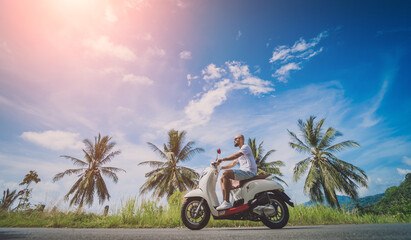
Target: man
(248,169)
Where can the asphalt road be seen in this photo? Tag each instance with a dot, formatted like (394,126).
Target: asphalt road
(322,232)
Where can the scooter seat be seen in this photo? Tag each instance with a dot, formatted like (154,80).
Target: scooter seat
(242,182)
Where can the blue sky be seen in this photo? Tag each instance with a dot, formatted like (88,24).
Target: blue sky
(135,69)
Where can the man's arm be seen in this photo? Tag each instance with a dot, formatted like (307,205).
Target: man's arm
(230,158)
(230,165)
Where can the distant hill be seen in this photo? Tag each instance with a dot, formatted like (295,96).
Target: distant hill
(349,203)
(364,201)
(397,200)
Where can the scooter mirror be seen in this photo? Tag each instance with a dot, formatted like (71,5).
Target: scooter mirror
(218,150)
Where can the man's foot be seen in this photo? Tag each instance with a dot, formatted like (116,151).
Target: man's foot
(225,205)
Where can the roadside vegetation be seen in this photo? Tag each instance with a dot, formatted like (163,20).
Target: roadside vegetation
(326,176)
(141,213)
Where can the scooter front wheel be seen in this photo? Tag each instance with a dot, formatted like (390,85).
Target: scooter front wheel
(194,215)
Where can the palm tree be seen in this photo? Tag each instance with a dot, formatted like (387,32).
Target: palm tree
(167,176)
(264,167)
(327,174)
(8,199)
(90,179)
(32,176)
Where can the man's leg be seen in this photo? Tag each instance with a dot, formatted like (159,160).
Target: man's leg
(226,184)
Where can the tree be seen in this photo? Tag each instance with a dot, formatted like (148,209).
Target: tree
(26,192)
(8,199)
(168,176)
(327,174)
(90,175)
(397,200)
(263,166)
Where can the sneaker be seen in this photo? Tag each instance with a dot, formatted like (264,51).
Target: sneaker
(225,205)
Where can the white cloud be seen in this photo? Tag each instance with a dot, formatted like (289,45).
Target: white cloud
(368,118)
(185,55)
(284,71)
(110,16)
(403,171)
(280,53)
(131,78)
(54,140)
(189,78)
(199,111)
(238,35)
(286,58)
(406,160)
(236,76)
(256,85)
(103,45)
(238,70)
(155,51)
(212,72)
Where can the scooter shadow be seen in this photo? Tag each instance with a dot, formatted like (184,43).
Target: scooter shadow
(266,229)
(11,235)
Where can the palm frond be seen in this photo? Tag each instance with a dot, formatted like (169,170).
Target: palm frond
(75,161)
(328,137)
(280,180)
(113,169)
(298,144)
(154,164)
(68,172)
(340,146)
(102,190)
(264,159)
(157,150)
(300,168)
(110,174)
(109,157)
(190,154)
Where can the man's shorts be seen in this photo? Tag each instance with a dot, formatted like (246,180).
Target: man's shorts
(242,175)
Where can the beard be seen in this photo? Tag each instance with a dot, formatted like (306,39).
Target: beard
(236,144)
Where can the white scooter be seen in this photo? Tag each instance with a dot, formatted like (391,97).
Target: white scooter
(256,199)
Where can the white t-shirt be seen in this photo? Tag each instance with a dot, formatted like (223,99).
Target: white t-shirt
(247,161)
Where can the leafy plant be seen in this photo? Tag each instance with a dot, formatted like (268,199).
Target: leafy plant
(32,176)
(263,166)
(168,176)
(90,175)
(397,200)
(8,199)
(326,173)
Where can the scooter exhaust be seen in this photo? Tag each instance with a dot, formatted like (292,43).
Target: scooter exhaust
(259,205)
(260,200)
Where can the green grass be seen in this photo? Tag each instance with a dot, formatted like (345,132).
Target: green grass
(134,213)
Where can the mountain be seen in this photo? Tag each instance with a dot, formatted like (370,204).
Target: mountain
(397,200)
(364,201)
(350,204)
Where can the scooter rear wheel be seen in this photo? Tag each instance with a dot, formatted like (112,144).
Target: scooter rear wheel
(189,217)
(280,218)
